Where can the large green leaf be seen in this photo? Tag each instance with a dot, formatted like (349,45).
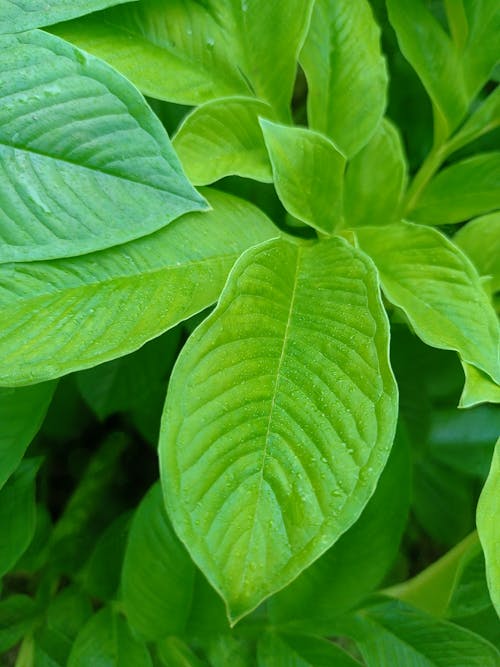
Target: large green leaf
(346,72)
(223,138)
(430,278)
(485,118)
(308,173)
(275,650)
(21,15)
(77,312)
(17,513)
(480,240)
(21,414)
(488,527)
(158,575)
(376,179)
(280,416)
(464,190)
(192,52)
(480,52)
(85,164)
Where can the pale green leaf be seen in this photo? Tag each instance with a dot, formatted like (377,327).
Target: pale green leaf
(485,118)
(434,283)
(223,138)
(106,641)
(84,162)
(157,575)
(345,71)
(480,240)
(308,173)
(274,650)
(376,179)
(461,191)
(488,527)
(22,412)
(481,51)
(279,417)
(435,58)
(478,388)
(77,312)
(21,15)
(17,513)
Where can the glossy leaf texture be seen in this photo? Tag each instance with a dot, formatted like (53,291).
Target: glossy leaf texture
(189,52)
(276,650)
(279,418)
(21,414)
(461,191)
(158,575)
(85,164)
(223,138)
(17,513)
(376,179)
(21,15)
(488,527)
(106,640)
(392,633)
(346,73)
(480,240)
(429,277)
(78,312)
(308,172)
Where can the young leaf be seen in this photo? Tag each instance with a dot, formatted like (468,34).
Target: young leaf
(462,191)
(22,412)
(21,15)
(480,54)
(345,71)
(78,312)
(223,138)
(478,388)
(279,417)
(288,651)
(376,179)
(85,164)
(17,513)
(106,640)
(308,173)
(480,240)
(158,575)
(488,527)
(427,276)
(484,119)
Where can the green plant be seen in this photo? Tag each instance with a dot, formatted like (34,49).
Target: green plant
(346,226)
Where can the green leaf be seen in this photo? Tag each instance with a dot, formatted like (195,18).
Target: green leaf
(18,615)
(208,50)
(78,312)
(346,73)
(173,652)
(480,240)
(85,163)
(435,58)
(20,15)
(478,388)
(461,191)
(485,118)
(223,138)
(488,527)
(105,641)
(17,513)
(158,575)
(376,179)
(226,649)
(392,633)
(356,564)
(480,54)
(298,325)
(308,173)
(439,290)
(22,412)
(288,651)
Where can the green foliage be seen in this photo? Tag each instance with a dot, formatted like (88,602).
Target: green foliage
(249,424)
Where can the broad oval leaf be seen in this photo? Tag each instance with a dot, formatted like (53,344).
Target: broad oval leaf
(21,15)
(488,527)
(21,414)
(308,172)
(280,416)
(429,277)
(157,575)
(461,191)
(345,71)
(84,162)
(223,138)
(77,312)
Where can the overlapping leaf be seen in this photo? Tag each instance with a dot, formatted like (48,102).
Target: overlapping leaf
(279,417)
(84,163)
(480,240)
(287,651)
(69,314)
